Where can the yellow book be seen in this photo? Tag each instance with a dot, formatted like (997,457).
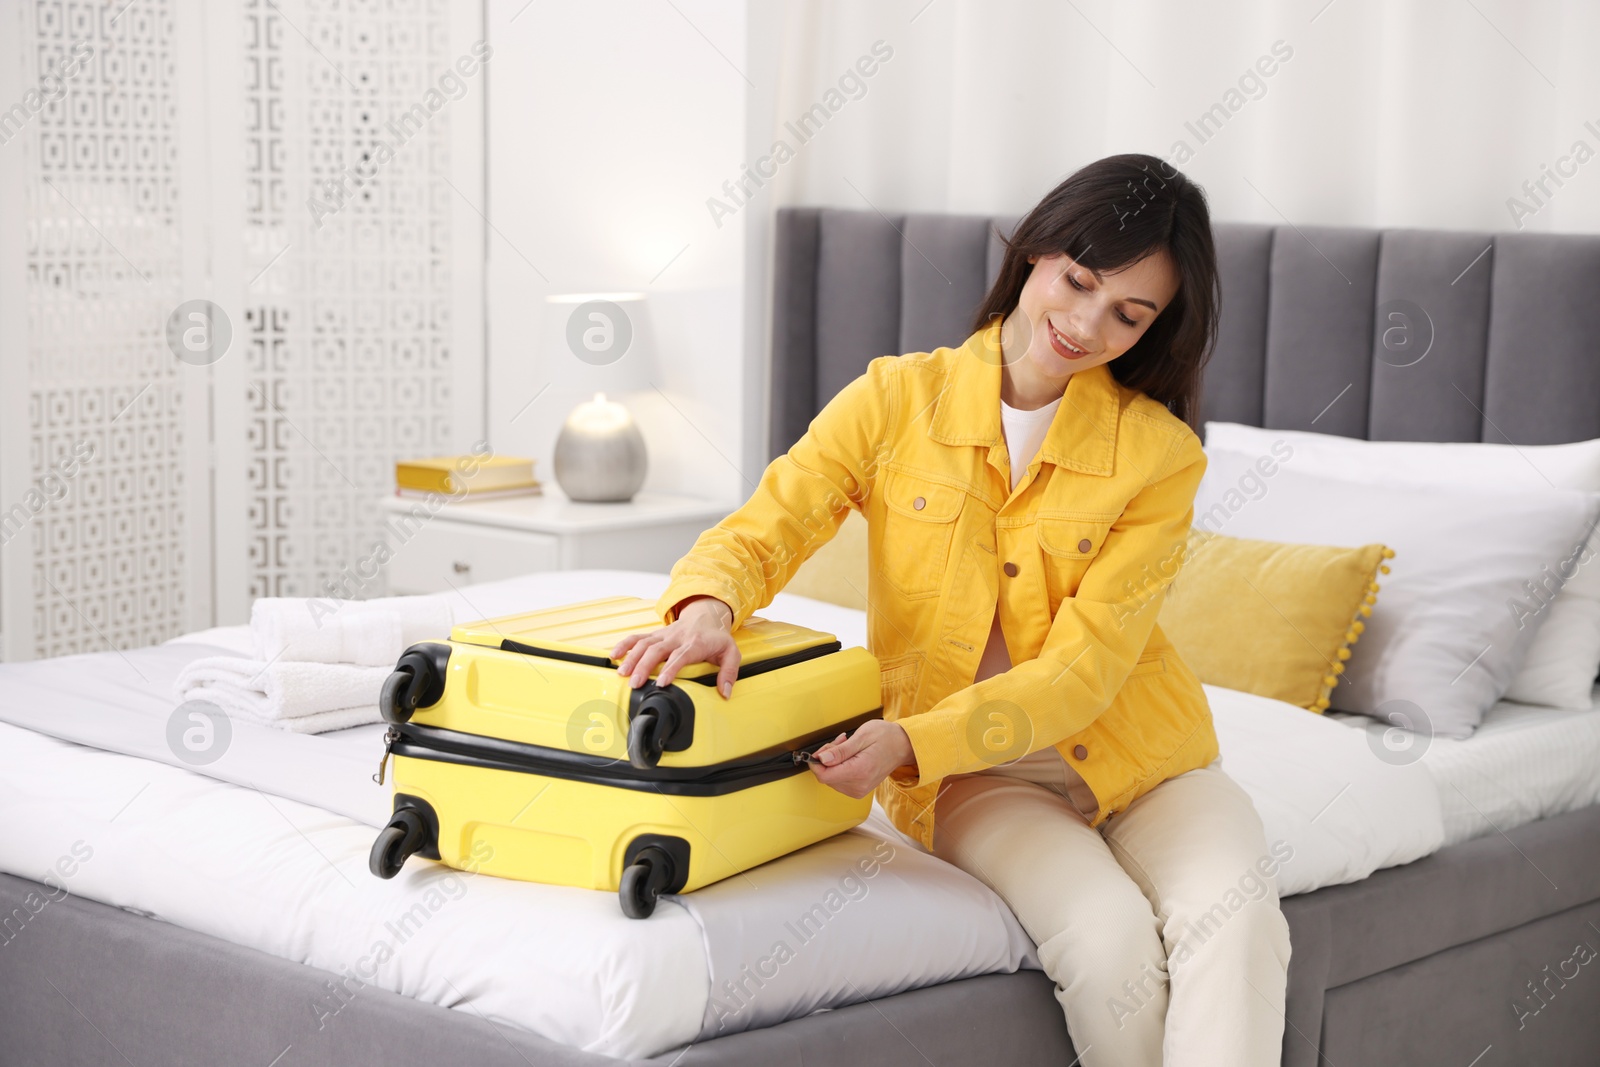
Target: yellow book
(533,489)
(439,474)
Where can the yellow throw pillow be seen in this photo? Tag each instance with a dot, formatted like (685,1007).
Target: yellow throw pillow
(1272,619)
(837,572)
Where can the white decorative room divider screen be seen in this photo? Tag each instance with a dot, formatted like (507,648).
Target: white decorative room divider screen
(164,460)
(348,263)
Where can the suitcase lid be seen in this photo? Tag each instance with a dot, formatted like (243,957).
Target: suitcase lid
(593,628)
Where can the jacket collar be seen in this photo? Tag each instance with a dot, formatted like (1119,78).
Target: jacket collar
(1082,436)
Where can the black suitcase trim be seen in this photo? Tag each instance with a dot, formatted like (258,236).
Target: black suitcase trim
(716,779)
(746,670)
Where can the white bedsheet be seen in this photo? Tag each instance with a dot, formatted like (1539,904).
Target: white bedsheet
(267,847)
(1523,763)
(1318,787)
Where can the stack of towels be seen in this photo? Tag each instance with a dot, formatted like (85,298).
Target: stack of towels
(319,664)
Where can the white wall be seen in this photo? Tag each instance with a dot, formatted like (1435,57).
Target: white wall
(609,126)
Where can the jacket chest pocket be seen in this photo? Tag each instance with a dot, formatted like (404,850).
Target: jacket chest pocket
(1068,544)
(919,524)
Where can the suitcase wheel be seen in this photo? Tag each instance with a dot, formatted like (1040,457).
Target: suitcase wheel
(643,880)
(396,843)
(402,692)
(660,719)
(647,739)
(417,681)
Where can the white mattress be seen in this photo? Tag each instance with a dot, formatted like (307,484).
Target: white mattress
(267,848)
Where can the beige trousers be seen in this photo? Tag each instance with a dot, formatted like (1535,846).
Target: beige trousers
(1161,929)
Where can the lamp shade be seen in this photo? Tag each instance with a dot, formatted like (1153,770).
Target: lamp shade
(601,330)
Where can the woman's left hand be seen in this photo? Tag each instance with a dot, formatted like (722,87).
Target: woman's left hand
(854,765)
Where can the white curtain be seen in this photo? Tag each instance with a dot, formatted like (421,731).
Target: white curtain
(1433,113)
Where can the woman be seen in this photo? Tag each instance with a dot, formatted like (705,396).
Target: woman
(1028,498)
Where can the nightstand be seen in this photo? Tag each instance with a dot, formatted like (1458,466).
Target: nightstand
(487,540)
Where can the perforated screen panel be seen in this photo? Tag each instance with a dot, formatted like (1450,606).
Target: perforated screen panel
(102,269)
(347,267)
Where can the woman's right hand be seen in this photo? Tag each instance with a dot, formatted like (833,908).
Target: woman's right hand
(702,633)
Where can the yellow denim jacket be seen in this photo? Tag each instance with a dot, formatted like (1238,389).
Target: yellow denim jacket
(1078,557)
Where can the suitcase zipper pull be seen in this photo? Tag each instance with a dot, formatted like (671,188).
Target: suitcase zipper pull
(809,756)
(389,738)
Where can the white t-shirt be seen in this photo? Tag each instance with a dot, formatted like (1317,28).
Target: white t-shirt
(1025,432)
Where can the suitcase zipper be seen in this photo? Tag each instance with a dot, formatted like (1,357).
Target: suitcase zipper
(770,765)
(389,738)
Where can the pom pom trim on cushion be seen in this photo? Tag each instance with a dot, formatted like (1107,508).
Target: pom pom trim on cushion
(1351,636)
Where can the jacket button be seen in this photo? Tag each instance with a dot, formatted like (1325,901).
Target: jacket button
(1011,570)
(919,503)
(1085,545)
(1080,752)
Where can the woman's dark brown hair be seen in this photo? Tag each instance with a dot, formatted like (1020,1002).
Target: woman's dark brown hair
(1107,216)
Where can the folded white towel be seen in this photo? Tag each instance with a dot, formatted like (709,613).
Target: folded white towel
(288,694)
(371,633)
(324,721)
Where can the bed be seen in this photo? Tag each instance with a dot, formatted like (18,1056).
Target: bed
(1413,938)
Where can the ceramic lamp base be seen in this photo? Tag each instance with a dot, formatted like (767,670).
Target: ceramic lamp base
(600,454)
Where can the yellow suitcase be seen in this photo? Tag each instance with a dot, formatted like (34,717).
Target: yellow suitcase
(519,751)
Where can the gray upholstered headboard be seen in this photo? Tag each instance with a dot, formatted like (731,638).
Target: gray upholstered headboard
(1507,326)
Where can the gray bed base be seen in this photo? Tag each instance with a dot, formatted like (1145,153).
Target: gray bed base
(1462,959)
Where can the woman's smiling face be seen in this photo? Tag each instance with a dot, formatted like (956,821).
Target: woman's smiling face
(1068,318)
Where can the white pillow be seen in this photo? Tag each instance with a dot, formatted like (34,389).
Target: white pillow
(1441,646)
(1564,657)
